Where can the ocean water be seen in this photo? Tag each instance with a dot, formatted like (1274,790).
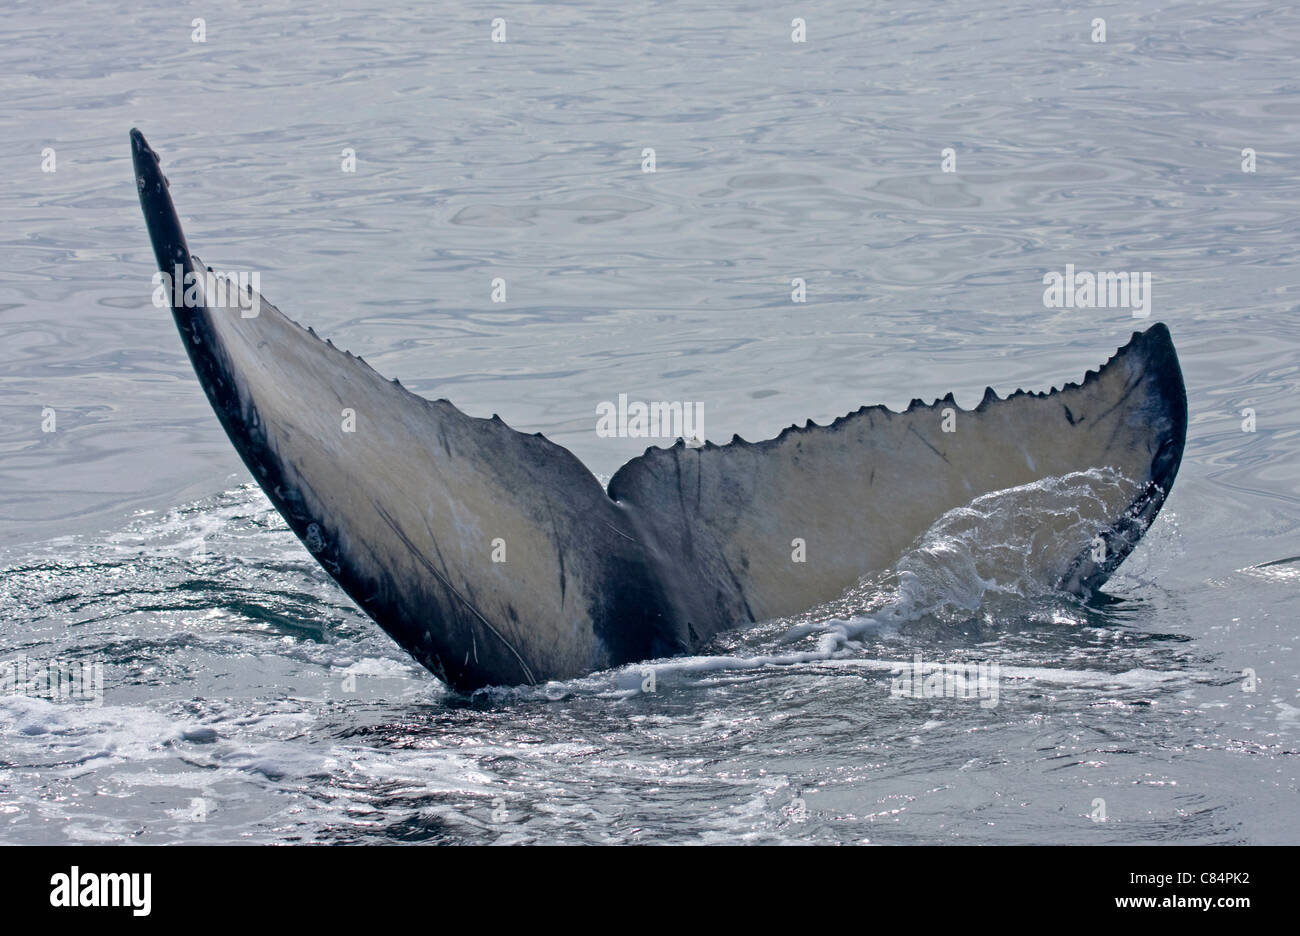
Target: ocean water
(229,692)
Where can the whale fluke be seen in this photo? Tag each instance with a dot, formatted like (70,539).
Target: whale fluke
(495,557)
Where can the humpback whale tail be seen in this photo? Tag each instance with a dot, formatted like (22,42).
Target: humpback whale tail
(409,511)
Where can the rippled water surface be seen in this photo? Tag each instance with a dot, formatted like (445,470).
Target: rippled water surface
(244,697)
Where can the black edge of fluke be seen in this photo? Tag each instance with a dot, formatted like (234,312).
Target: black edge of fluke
(1155,346)
(176,263)
(212,366)
(164,226)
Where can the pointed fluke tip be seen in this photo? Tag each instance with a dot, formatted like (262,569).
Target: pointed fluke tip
(1154,337)
(155,201)
(141,151)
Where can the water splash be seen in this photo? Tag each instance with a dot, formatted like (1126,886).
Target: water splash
(1002,553)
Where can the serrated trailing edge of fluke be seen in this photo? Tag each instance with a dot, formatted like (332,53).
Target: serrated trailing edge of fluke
(990,397)
(394,381)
